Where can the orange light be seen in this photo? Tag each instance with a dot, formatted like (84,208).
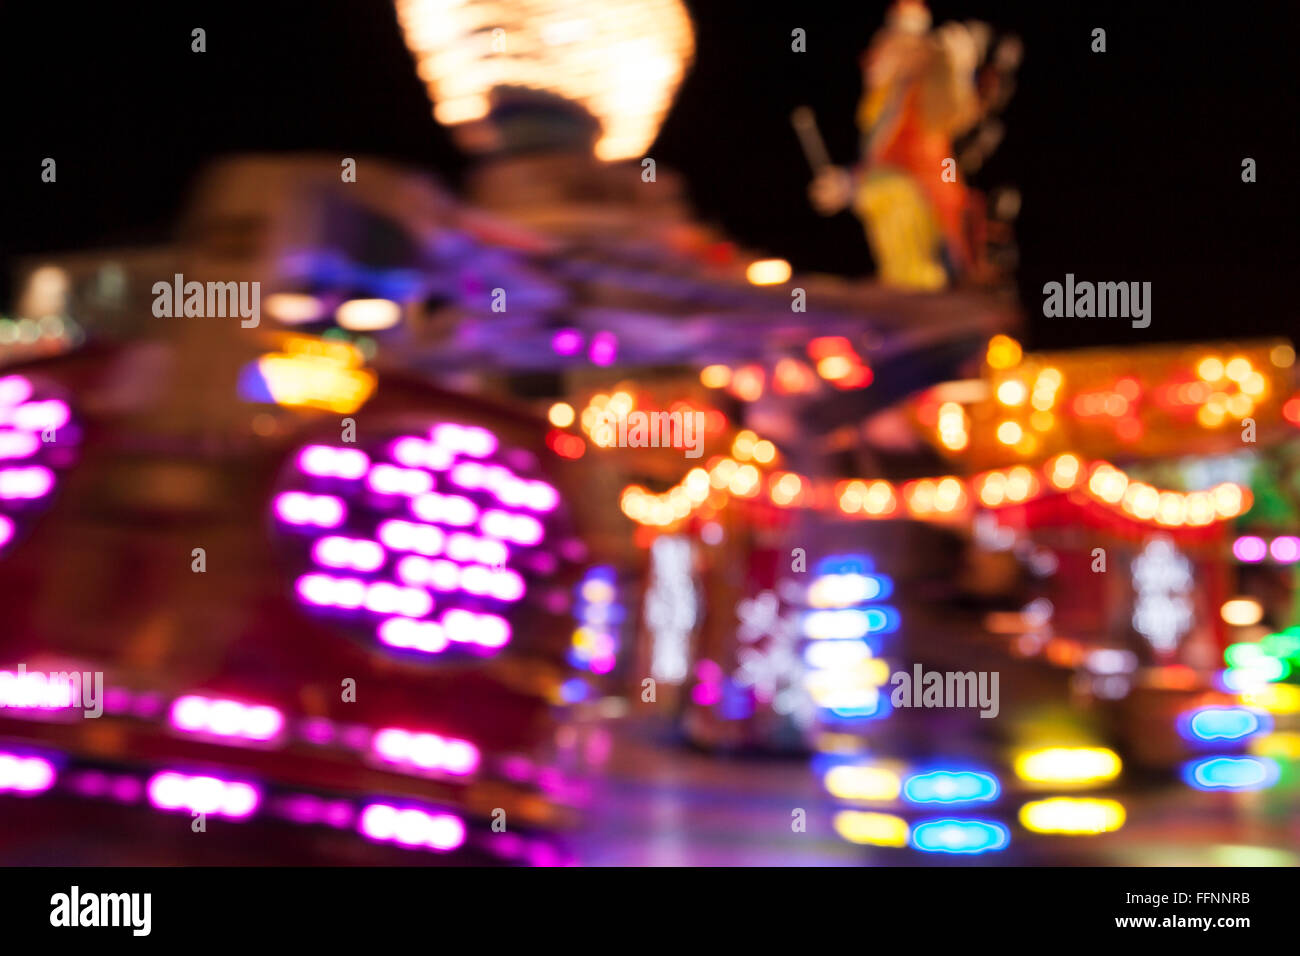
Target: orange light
(715,376)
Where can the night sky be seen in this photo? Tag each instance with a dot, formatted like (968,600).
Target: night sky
(1129,162)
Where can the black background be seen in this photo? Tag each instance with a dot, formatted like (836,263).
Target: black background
(1129,162)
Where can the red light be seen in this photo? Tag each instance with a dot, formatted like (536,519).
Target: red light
(565,445)
(828,345)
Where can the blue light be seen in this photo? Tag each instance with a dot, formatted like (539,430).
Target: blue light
(959,836)
(573,690)
(1231,773)
(1223,723)
(844,564)
(948,786)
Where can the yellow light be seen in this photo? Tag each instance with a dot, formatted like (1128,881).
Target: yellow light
(1062,766)
(317,378)
(560,415)
(622,62)
(1042,421)
(722,473)
(768,271)
(715,376)
(764,452)
(1003,352)
(1065,471)
(1274,698)
(873,829)
(834,367)
(1069,815)
(848,782)
(880,498)
(1238,368)
(1240,405)
(1241,612)
(1283,744)
(1012,392)
(1209,369)
(745,481)
(1210,415)
(1282,356)
(1254,385)
(291,308)
(1229,500)
(368,315)
(743,445)
(1010,432)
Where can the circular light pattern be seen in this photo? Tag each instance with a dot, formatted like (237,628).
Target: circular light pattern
(38,439)
(423,543)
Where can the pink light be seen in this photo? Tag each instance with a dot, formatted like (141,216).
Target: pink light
(466,627)
(566,342)
(1249,549)
(355,553)
(604,348)
(226,718)
(1285,549)
(410,536)
(14,389)
(466,547)
(427,637)
(505,525)
(233,799)
(35,481)
(25,774)
(445,509)
(380,597)
(425,751)
(411,828)
(301,508)
(18,444)
(6,531)
(418,453)
(393,480)
(466,439)
(328,461)
(38,416)
(33,690)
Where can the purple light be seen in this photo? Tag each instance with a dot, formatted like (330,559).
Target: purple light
(25,774)
(301,508)
(37,416)
(6,531)
(1285,549)
(357,554)
(427,637)
(517,528)
(33,690)
(327,461)
(411,828)
(466,439)
(14,389)
(424,751)
(379,597)
(466,627)
(18,444)
(394,480)
(410,536)
(566,342)
(35,481)
(604,348)
(418,453)
(445,509)
(226,718)
(1249,549)
(442,575)
(233,799)
(466,547)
